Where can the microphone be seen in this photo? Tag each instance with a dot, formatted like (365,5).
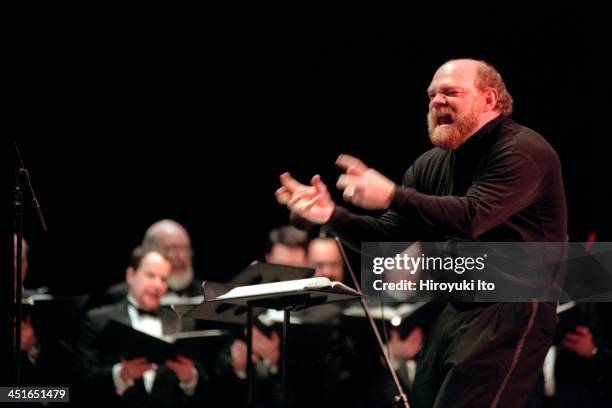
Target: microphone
(23,175)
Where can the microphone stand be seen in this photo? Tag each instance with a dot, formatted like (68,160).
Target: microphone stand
(401,399)
(22,180)
(17,281)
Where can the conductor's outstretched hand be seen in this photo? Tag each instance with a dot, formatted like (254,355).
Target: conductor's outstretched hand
(361,186)
(311,202)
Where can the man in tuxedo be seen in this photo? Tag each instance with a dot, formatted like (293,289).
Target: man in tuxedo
(47,357)
(171,238)
(109,379)
(582,367)
(286,245)
(324,256)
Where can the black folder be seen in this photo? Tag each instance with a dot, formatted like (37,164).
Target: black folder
(131,343)
(54,317)
(569,315)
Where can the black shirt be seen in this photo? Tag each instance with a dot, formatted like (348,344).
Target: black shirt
(503,184)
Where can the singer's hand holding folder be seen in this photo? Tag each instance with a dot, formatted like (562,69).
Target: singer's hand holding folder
(132,343)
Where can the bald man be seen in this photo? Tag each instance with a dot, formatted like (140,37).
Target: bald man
(487,179)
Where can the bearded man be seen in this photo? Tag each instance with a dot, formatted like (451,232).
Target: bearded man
(487,179)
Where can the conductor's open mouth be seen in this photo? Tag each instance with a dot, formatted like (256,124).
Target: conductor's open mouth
(445,120)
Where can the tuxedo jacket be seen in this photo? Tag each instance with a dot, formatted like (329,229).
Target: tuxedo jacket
(96,365)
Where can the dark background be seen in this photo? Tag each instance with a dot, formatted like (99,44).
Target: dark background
(126,114)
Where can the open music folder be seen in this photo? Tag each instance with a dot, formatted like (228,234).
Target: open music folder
(230,312)
(132,343)
(315,288)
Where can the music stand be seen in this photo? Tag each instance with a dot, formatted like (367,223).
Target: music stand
(256,273)
(286,296)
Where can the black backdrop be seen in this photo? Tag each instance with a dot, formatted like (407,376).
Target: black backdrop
(128,114)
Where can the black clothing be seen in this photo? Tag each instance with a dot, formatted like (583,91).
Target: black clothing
(502,184)
(52,366)
(473,357)
(323,368)
(53,361)
(582,381)
(96,365)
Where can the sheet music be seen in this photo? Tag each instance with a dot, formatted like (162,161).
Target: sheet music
(277,287)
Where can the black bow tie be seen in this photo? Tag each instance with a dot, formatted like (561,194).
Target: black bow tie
(154,313)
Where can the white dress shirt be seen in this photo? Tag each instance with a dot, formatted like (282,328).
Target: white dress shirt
(151,325)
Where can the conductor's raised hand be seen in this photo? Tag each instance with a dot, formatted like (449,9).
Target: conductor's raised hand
(311,202)
(363,186)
